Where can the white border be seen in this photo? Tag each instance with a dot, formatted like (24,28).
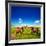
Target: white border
(28,40)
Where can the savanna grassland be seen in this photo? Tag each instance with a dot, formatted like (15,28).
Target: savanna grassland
(25,32)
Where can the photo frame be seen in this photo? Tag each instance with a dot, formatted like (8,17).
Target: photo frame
(19,29)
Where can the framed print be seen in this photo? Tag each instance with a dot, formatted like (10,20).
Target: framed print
(25,22)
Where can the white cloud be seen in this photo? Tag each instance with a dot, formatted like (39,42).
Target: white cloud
(20,20)
(37,21)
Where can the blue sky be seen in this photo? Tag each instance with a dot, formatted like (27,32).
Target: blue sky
(25,15)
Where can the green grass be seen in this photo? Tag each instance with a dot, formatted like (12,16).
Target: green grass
(26,34)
